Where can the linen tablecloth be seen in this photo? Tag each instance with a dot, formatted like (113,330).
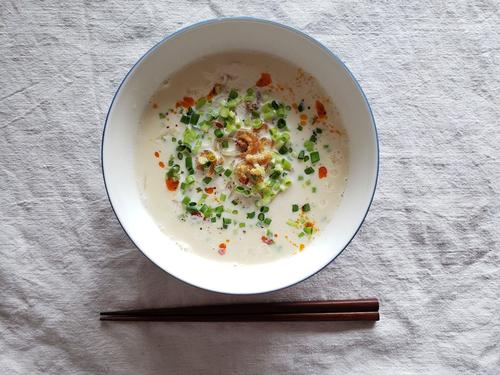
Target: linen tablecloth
(428,248)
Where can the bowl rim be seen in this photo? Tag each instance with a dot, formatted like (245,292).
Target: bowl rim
(273,23)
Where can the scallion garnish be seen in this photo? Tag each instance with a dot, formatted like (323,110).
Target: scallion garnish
(283,149)
(306,207)
(264,209)
(227,172)
(218,133)
(301,155)
(185,119)
(219,169)
(261,217)
(309,170)
(207,180)
(275,175)
(267,221)
(250,215)
(295,207)
(233,94)
(314,156)
(281,124)
(194,118)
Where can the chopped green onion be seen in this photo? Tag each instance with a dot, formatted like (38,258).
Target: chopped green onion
(219,210)
(161,115)
(228,173)
(301,234)
(194,118)
(250,215)
(189,164)
(235,202)
(319,130)
(218,133)
(180,155)
(300,128)
(314,189)
(306,207)
(264,209)
(226,221)
(308,230)
(283,150)
(267,221)
(309,170)
(186,201)
(314,157)
(201,102)
(301,155)
(281,123)
(185,119)
(261,216)
(295,207)
(222,197)
(275,175)
(242,225)
(225,143)
(274,104)
(219,169)
(306,158)
(207,180)
(309,145)
(286,164)
(233,94)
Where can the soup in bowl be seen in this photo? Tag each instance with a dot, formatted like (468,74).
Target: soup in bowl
(240,155)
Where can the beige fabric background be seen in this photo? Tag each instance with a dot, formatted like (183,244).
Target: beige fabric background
(428,249)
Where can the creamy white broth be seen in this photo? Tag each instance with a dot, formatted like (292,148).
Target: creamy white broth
(290,85)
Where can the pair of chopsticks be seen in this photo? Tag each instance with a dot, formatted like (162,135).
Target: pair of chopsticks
(339,310)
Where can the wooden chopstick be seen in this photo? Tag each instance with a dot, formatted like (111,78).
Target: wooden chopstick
(328,306)
(361,309)
(300,317)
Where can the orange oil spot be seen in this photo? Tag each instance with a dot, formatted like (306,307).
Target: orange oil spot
(320,109)
(264,80)
(157,154)
(322,172)
(303,119)
(267,240)
(172,184)
(209,190)
(161,164)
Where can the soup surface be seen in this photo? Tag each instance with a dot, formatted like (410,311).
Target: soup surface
(241,157)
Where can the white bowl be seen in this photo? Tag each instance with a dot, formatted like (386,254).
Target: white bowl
(191,43)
